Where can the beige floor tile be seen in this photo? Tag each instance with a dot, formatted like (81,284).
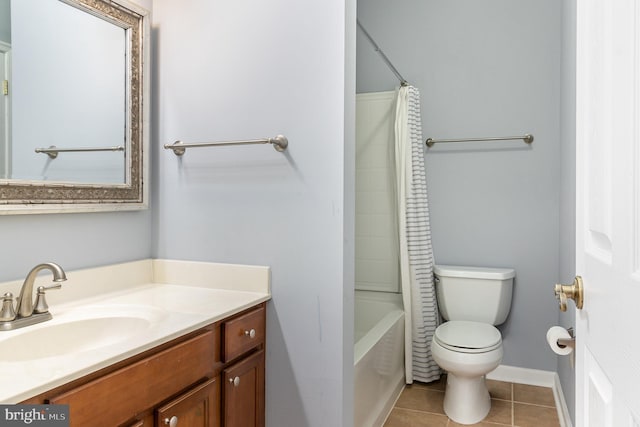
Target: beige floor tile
(499,415)
(421,404)
(480,424)
(408,418)
(501,412)
(499,389)
(534,416)
(533,394)
(434,385)
(421,399)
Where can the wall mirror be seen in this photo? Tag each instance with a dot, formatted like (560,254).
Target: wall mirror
(75,98)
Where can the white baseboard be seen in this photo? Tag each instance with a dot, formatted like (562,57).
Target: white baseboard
(561,404)
(537,377)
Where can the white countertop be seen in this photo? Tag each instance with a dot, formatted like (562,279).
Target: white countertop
(180,296)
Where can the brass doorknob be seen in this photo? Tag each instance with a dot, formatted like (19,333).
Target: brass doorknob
(573,291)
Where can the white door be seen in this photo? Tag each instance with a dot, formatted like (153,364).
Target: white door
(608,213)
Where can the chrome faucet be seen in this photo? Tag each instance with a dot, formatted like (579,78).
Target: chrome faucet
(26,313)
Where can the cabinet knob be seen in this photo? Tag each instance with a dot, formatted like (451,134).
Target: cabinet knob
(171,422)
(251,333)
(235,381)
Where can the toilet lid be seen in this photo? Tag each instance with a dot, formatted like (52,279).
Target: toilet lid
(468,337)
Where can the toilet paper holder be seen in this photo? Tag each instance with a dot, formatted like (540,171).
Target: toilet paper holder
(567,342)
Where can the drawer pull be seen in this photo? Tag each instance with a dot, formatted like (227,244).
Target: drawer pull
(171,422)
(251,333)
(235,381)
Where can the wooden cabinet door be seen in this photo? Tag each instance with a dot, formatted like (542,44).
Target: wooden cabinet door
(199,407)
(244,392)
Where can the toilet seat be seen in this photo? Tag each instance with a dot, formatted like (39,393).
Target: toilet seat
(468,337)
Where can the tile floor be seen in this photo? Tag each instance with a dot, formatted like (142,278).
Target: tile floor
(420,405)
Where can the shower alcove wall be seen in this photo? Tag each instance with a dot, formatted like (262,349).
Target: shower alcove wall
(379,318)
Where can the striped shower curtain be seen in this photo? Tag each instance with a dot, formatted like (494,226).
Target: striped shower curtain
(416,255)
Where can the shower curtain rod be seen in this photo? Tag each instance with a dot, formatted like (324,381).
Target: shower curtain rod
(403,82)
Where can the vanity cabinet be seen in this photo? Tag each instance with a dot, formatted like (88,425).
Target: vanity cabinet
(212,377)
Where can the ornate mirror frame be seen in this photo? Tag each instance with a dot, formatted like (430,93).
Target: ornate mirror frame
(28,197)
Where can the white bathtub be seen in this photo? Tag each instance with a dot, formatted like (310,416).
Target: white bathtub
(378,356)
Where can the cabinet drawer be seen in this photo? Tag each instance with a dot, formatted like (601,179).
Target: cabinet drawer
(243,333)
(118,396)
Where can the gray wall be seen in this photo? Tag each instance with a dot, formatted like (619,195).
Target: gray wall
(232,70)
(568,186)
(72,240)
(485,68)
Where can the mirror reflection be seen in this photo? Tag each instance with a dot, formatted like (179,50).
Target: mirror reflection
(65,74)
(75,78)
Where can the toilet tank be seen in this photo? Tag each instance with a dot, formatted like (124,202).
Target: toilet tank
(474,293)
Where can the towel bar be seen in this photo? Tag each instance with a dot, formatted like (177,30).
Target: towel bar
(53,151)
(527,138)
(280,144)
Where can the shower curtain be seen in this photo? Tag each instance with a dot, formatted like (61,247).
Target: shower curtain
(416,255)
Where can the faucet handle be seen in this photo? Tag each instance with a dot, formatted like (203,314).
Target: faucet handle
(7,312)
(54,285)
(41,305)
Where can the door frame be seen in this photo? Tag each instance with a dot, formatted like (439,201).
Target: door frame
(5,112)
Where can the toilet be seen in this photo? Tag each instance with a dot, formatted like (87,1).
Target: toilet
(467,345)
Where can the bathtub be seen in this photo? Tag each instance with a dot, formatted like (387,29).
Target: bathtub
(378,356)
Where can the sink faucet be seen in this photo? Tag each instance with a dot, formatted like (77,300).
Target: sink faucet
(25,300)
(28,313)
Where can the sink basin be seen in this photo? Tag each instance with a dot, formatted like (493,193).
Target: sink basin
(78,331)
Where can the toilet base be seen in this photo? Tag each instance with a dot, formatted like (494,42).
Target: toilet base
(466,399)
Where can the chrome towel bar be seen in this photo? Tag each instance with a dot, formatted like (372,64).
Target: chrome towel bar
(53,151)
(527,138)
(280,143)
